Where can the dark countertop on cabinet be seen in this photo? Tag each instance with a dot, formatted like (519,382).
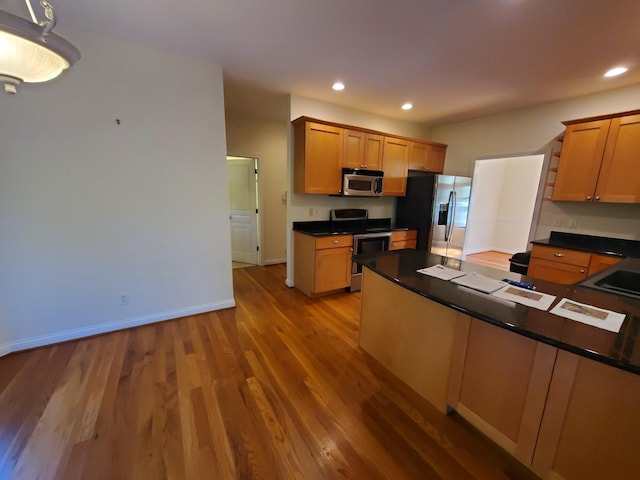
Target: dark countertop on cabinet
(620,350)
(328,227)
(616,247)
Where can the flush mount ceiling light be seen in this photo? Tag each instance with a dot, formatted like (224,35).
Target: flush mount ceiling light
(407,106)
(614,72)
(30,51)
(338,86)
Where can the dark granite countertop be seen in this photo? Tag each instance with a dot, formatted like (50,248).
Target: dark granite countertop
(617,247)
(328,227)
(621,350)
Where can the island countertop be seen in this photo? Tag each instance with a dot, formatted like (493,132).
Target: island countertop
(620,350)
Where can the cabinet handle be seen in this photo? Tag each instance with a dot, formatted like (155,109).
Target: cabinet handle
(582,270)
(336,241)
(589,197)
(351,249)
(597,198)
(558,255)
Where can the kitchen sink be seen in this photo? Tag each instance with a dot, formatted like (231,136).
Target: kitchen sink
(621,279)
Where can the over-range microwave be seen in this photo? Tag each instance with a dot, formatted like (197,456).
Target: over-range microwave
(361,183)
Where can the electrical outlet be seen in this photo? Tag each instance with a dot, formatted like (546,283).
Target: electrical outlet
(557,221)
(310,212)
(124,298)
(573,222)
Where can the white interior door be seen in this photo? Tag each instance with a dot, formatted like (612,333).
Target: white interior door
(244,209)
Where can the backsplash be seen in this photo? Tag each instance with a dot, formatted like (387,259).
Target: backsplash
(601,219)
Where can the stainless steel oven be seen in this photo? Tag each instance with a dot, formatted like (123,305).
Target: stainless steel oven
(367,243)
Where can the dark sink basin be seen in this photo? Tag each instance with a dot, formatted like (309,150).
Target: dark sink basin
(622,279)
(621,282)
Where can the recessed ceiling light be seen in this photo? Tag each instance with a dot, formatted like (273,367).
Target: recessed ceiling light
(338,86)
(614,72)
(407,106)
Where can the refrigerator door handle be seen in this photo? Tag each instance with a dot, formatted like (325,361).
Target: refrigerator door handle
(447,228)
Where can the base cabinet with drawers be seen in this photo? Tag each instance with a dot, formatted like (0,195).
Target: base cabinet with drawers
(566,266)
(403,239)
(322,264)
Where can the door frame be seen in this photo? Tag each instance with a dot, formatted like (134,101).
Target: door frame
(259,215)
(546,156)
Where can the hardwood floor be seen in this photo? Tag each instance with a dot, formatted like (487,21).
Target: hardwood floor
(275,388)
(491,259)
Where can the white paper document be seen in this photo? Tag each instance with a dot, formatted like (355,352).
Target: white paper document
(441,272)
(524,296)
(590,315)
(479,282)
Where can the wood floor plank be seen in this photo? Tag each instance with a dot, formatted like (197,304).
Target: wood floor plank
(275,388)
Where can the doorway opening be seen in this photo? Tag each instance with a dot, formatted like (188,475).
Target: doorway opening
(502,208)
(245,210)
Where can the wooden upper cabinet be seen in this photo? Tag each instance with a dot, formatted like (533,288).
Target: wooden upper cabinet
(427,158)
(317,158)
(580,159)
(395,163)
(362,150)
(619,179)
(599,161)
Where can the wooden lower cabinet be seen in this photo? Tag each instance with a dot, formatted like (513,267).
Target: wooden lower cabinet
(403,239)
(591,425)
(322,264)
(502,386)
(566,266)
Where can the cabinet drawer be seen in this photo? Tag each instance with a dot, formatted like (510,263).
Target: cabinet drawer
(334,241)
(561,255)
(400,244)
(399,235)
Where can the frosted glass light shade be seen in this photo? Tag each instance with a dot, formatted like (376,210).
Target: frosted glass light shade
(28,56)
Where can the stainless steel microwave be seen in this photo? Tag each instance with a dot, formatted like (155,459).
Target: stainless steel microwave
(361,183)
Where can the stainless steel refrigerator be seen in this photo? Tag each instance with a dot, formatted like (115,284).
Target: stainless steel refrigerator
(436,206)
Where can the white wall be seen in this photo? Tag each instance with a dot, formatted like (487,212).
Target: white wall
(300,206)
(531,130)
(251,136)
(91,209)
(503,198)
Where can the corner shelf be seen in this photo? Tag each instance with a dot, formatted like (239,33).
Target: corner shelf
(552,170)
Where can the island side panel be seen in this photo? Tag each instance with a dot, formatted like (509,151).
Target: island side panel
(591,425)
(412,336)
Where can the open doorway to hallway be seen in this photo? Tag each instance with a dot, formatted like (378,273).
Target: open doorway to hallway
(502,207)
(245,210)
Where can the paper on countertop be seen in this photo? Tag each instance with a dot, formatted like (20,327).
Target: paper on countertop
(524,296)
(479,282)
(441,272)
(590,315)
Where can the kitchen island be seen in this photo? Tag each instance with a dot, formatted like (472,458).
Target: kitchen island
(559,395)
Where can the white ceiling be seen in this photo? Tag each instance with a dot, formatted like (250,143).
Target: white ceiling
(453,59)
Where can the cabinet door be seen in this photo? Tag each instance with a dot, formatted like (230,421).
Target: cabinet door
(318,159)
(580,160)
(503,386)
(435,159)
(395,162)
(591,424)
(557,272)
(332,269)
(619,179)
(600,262)
(353,151)
(373,148)
(418,156)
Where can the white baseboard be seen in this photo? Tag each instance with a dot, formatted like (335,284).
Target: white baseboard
(88,331)
(275,261)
